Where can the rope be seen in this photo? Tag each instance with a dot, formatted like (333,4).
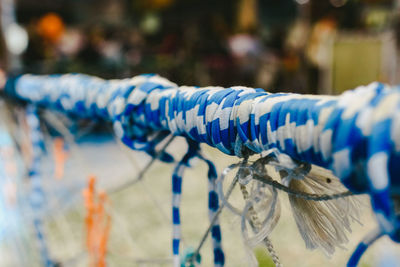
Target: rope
(313,197)
(255,222)
(356,134)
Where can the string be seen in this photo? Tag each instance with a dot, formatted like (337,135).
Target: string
(143,171)
(313,197)
(256,224)
(50,118)
(220,181)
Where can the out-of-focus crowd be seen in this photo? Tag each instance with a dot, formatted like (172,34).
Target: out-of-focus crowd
(247,42)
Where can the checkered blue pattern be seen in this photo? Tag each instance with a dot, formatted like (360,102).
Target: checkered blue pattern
(37,198)
(356,134)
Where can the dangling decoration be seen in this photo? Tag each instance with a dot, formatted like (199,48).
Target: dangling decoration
(98,224)
(354,135)
(38,197)
(60,156)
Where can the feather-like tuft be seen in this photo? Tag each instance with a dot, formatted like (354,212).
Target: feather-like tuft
(323,224)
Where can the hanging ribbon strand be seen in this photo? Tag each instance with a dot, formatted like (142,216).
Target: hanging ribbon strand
(356,135)
(37,199)
(98,224)
(60,156)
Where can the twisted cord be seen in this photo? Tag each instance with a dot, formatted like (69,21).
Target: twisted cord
(308,196)
(255,222)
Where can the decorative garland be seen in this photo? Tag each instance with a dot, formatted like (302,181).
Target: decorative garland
(356,134)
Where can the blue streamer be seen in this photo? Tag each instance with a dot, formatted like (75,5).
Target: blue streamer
(37,198)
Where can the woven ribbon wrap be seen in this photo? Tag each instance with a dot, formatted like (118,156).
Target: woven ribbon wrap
(356,134)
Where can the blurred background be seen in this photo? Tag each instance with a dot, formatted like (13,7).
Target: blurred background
(304,46)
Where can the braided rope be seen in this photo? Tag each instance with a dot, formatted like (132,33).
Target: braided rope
(356,134)
(257,226)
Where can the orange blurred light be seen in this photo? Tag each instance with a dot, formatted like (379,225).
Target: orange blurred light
(51,27)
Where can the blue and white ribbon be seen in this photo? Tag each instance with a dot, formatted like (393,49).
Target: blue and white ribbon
(356,134)
(213,206)
(37,197)
(176,201)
